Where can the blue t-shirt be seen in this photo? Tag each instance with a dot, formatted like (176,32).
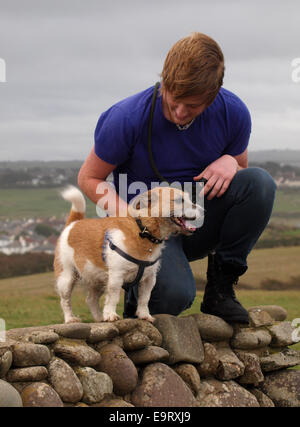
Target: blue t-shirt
(121,138)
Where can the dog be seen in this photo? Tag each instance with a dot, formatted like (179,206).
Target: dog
(107,253)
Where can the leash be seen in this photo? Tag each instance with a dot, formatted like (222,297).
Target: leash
(150,154)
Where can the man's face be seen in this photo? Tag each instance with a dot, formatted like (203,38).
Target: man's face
(182,111)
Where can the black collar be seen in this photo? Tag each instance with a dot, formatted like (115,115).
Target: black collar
(146,233)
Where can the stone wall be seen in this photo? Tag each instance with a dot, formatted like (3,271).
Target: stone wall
(197,360)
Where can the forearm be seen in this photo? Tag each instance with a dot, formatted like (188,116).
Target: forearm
(103,194)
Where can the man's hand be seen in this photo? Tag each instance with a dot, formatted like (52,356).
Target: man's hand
(219,175)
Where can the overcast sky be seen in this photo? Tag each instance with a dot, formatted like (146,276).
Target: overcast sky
(67,61)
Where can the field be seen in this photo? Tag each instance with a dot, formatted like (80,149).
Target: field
(35,202)
(42,202)
(31,300)
(280,264)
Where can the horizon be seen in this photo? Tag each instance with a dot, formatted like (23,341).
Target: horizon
(82,160)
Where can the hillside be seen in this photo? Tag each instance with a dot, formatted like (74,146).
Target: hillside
(291,157)
(288,157)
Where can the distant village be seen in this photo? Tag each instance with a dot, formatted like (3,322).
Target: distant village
(20,236)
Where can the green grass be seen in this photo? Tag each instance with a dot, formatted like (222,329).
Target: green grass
(28,202)
(35,202)
(287,201)
(280,263)
(31,300)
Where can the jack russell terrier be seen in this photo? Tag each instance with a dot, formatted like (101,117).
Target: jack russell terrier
(114,252)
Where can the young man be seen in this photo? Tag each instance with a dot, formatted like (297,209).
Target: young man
(199,130)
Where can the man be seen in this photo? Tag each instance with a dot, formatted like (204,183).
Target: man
(199,130)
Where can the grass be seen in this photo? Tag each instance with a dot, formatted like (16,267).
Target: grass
(45,202)
(35,202)
(31,300)
(280,263)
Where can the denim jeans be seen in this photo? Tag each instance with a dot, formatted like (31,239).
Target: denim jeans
(232,226)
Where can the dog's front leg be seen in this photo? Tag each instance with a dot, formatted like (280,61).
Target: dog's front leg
(113,289)
(145,288)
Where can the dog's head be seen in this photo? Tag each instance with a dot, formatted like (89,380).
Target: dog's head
(172,206)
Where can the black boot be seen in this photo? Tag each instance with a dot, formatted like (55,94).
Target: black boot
(219,297)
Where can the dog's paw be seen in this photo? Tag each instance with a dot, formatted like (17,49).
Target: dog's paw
(147,317)
(111,317)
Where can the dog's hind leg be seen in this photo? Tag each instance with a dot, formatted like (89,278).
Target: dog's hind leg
(64,285)
(92,301)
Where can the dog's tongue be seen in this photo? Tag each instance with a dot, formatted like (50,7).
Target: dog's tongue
(188,225)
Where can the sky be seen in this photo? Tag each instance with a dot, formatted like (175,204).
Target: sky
(67,61)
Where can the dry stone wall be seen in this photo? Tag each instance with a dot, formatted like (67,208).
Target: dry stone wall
(193,361)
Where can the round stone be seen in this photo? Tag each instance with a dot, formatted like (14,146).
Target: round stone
(40,395)
(162,387)
(275,311)
(73,330)
(64,381)
(102,332)
(5,363)
(9,397)
(119,367)
(135,340)
(150,354)
(96,385)
(76,352)
(213,328)
(27,354)
(33,373)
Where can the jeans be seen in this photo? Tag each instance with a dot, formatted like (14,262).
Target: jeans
(232,225)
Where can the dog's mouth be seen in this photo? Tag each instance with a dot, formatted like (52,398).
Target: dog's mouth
(184,223)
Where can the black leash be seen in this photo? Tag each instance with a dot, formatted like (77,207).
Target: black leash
(155,170)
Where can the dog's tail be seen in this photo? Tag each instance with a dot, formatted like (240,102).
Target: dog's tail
(74,196)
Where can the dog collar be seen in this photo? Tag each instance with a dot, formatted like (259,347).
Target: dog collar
(145,233)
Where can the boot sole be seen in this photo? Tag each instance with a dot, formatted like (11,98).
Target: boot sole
(228,319)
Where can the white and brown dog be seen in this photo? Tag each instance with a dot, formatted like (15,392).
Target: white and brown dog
(107,253)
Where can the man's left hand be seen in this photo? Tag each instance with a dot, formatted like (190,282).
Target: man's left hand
(219,175)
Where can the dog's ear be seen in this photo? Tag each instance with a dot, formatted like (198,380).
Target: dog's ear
(143,203)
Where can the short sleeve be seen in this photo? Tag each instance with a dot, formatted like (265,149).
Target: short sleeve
(240,125)
(114,136)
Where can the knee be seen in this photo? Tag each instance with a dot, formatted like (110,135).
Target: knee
(172,300)
(260,182)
